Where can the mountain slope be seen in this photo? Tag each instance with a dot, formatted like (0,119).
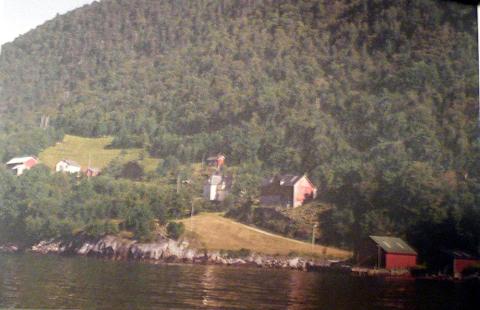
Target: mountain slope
(376,100)
(282,81)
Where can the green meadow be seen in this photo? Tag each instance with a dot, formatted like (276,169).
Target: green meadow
(94,151)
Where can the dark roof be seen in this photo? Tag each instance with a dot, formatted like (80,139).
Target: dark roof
(393,245)
(284,180)
(289,179)
(459,254)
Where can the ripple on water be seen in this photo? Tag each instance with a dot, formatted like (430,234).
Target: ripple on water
(34,281)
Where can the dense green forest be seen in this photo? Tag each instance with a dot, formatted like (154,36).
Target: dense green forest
(41,205)
(376,100)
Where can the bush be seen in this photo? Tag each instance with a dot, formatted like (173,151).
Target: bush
(99,228)
(175,230)
(139,219)
(133,171)
(471,270)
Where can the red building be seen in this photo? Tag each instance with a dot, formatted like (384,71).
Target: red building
(454,262)
(290,191)
(20,164)
(387,253)
(216,161)
(92,172)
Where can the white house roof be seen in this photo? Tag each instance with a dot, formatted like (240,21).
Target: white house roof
(19,160)
(70,162)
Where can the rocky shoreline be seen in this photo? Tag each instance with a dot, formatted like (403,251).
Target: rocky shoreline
(163,251)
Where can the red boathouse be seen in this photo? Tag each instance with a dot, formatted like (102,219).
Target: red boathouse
(387,253)
(454,262)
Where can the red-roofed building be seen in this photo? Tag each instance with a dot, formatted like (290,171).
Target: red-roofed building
(19,164)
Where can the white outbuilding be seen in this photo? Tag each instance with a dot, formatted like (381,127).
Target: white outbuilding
(69,166)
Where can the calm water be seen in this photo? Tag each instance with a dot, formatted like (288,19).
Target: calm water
(35,281)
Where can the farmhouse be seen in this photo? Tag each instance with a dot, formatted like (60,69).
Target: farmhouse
(66,165)
(290,191)
(387,252)
(19,164)
(217,187)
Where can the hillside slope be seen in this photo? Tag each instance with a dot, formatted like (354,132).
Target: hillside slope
(214,232)
(300,85)
(375,100)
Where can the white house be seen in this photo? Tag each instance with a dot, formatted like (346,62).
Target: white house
(66,165)
(19,164)
(217,187)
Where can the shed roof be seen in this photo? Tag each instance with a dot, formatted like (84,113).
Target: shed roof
(459,254)
(393,245)
(19,160)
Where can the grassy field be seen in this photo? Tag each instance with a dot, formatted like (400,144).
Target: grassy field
(214,232)
(81,149)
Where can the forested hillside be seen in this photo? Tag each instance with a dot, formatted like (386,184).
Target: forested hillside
(375,100)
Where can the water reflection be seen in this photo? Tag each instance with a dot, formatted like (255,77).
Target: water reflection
(32,281)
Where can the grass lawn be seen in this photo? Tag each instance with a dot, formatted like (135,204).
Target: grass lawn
(215,232)
(80,149)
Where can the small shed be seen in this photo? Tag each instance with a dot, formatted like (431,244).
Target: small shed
(216,161)
(388,253)
(92,172)
(454,262)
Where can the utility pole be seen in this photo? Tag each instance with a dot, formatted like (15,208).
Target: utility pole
(313,235)
(88,168)
(478,42)
(178,183)
(191,217)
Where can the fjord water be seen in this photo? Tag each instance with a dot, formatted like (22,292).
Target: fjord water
(35,281)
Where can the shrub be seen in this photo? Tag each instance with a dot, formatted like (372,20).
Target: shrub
(471,270)
(132,170)
(175,230)
(99,228)
(139,219)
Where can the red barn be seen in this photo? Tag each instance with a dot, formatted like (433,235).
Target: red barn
(19,164)
(290,191)
(388,253)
